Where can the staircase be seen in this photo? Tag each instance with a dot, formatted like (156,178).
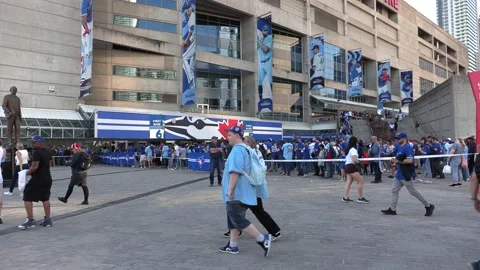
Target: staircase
(381,129)
(361,129)
(407,125)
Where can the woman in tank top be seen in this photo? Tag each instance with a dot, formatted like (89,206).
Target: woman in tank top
(21,163)
(351,162)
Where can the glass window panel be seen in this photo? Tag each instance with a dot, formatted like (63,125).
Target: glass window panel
(43,122)
(57,133)
(79,133)
(170,4)
(68,133)
(4,132)
(23,123)
(32,122)
(76,123)
(144,97)
(144,24)
(218,35)
(33,132)
(55,123)
(335,68)
(287,59)
(145,72)
(66,123)
(46,132)
(23,133)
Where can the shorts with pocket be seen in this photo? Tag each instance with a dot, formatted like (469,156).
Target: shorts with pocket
(236,215)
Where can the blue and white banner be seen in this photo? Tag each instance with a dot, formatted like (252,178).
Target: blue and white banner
(384,82)
(199,161)
(406,86)
(317,62)
(265,60)
(189,31)
(120,125)
(86,47)
(355,74)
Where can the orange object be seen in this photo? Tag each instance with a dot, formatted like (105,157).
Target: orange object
(365,155)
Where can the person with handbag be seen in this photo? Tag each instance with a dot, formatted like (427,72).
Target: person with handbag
(80,164)
(351,162)
(403,176)
(457,162)
(21,163)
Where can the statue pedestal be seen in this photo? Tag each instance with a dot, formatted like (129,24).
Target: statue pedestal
(7,168)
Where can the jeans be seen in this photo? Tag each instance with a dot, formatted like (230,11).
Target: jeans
(15,176)
(215,163)
(304,166)
(376,169)
(455,164)
(465,173)
(426,169)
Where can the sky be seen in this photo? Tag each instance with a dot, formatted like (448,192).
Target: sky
(429,8)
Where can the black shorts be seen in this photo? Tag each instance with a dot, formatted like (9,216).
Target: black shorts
(350,168)
(36,194)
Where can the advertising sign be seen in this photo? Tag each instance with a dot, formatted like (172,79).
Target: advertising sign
(265,60)
(317,62)
(355,74)
(406,87)
(384,82)
(86,48)
(189,49)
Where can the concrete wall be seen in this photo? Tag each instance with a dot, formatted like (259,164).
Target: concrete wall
(40,48)
(448,111)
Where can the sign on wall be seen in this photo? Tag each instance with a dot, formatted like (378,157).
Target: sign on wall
(265,60)
(189,31)
(406,86)
(317,62)
(86,47)
(384,82)
(355,73)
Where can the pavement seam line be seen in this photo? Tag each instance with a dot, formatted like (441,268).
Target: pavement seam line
(108,204)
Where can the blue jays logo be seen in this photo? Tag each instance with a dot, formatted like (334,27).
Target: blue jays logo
(201,161)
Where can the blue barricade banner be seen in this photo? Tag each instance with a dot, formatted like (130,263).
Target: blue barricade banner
(199,162)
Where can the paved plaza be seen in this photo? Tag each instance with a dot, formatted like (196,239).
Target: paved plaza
(159,219)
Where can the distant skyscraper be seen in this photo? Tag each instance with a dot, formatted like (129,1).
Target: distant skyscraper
(460,19)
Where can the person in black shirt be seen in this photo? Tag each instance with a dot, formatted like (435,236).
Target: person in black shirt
(79,176)
(215,160)
(38,188)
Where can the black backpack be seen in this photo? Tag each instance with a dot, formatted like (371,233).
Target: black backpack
(86,163)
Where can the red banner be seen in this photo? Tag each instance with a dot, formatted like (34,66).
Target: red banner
(475,84)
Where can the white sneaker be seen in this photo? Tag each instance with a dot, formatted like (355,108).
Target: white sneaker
(428,182)
(8,193)
(419,180)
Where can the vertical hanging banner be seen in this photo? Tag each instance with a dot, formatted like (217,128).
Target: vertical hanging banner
(317,62)
(406,85)
(474,78)
(384,82)
(189,31)
(86,48)
(265,60)
(355,74)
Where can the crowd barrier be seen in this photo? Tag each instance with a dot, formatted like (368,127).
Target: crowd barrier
(367,159)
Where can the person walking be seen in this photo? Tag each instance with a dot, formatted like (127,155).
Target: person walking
(403,176)
(21,163)
(262,193)
(457,162)
(38,188)
(375,152)
(238,194)
(80,164)
(351,162)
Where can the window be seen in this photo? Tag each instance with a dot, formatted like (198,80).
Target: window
(330,93)
(425,86)
(170,4)
(290,60)
(219,87)
(425,65)
(144,97)
(145,73)
(218,35)
(441,72)
(287,101)
(335,68)
(144,24)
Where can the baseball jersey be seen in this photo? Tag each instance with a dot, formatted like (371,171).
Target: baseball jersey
(265,56)
(191,27)
(87,6)
(354,72)
(317,62)
(383,79)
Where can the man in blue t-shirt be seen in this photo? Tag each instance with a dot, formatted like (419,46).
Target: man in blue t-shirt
(287,149)
(299,155)
(436,149)
(403,176)
(238,194)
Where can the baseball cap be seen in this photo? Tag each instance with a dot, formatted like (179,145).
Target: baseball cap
(315,47)
(401,135)
(187,6)
(37,138)
(75,146)
(236,130)
(214,137)
(265,27)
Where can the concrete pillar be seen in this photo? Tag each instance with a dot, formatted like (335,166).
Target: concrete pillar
(248,35)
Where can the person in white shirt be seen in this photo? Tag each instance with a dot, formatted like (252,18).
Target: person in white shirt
(3,154)
(21,163)
(351,162)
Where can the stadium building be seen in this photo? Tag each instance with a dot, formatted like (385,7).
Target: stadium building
(145,78)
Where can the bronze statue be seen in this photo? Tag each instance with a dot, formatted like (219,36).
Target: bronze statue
(13,114)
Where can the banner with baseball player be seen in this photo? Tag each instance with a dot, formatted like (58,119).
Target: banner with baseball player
(406,86)
(86,48)
(265,60)
(384,82)
(355,74)
(189,49)
(317,62)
